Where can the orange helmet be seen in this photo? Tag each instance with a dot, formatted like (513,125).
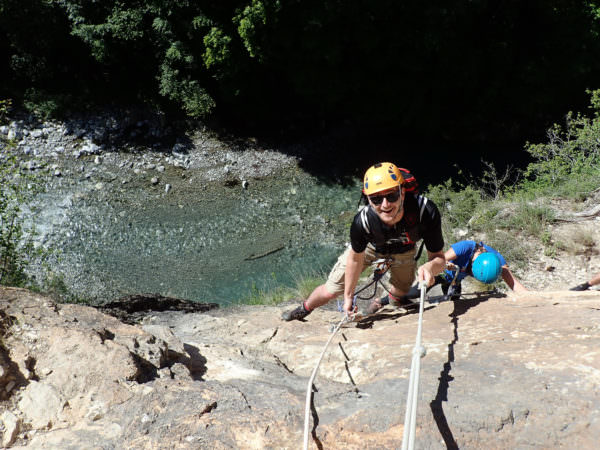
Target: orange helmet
(380,177)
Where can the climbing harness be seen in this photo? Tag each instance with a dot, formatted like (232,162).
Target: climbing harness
(382,265)
(312,378)
(408,439)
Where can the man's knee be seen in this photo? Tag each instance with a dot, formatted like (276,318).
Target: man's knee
(332,290)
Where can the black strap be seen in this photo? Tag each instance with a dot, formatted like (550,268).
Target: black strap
(418,255)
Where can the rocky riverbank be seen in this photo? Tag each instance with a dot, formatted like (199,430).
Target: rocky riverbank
(137,206)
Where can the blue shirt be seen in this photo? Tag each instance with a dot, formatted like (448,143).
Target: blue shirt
(464,252)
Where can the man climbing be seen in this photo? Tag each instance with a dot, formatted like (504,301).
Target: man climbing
(588,284)
(475,259)
(389,226)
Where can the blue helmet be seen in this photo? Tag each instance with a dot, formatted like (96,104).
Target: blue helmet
(486,267)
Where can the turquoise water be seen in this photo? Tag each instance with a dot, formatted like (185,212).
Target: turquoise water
(202,242)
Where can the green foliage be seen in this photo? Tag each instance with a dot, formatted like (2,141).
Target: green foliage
(217,45)
(5,107)
(550,248)
(315,61)
(267,296)
(17,249)
(572,151)
(56,287)
(507,213)
(457,204)
(45,105)
(532,219)
(303,286)
(251,23)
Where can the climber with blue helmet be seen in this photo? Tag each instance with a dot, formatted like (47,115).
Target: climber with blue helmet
(476,259)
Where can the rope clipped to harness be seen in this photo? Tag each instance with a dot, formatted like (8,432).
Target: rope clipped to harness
(381,267)
(312,379)
(408,439)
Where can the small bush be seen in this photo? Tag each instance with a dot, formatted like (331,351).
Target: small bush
(529,218)
(457,205)
(5,108)
(17,248)
(568,164)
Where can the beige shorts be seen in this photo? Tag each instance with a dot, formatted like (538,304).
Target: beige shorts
(402,271)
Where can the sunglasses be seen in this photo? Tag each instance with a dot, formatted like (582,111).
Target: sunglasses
(391,197)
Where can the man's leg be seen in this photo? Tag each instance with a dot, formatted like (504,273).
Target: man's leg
(319,297)
(402,274)
(333,288)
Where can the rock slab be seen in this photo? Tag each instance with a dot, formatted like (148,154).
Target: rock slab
(499,372)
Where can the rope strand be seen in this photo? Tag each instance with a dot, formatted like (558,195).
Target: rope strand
(410,419)
(312,378)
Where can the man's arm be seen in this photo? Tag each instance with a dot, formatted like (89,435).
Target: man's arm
(511,281)
(354,265)
(431,268)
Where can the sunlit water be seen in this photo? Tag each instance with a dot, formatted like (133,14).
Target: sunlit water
(198,242)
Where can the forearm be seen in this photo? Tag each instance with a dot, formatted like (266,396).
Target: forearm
(351,277)
(354,265)
(511,281)
(431,268)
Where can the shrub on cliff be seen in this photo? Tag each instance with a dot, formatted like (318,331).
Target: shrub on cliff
(17,247)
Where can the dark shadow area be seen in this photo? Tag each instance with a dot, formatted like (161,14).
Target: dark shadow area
(196,363)
(12,378)
(131,309)
(146,370)
(461,306)
(193,361)
(315,417)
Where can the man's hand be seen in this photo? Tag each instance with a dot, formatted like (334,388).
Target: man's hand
(348,306)
(451,266)
(424,274)
(431,268)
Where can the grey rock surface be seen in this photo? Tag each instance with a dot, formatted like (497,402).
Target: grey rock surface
(500,372)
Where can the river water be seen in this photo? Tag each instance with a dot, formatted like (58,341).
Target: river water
(208,242)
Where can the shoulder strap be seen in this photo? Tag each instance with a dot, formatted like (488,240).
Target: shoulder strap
(422,202)
(373,227)
(418,254)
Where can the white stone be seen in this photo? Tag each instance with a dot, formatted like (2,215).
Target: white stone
(40,404)
(11,428)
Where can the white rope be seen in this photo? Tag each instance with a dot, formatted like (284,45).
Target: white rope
(408,439)
(312,378)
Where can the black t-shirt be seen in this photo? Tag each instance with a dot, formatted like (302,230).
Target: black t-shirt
(421,220)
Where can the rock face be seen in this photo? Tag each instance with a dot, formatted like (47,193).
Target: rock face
(500,372)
